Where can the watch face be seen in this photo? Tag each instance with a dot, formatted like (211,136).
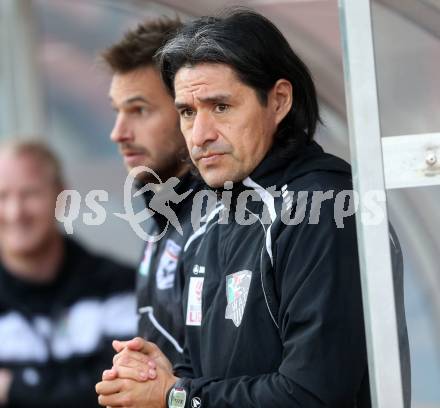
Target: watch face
(177,398)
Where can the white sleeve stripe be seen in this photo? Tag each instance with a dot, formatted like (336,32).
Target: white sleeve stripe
(160,328)
(265,196)
(270,203)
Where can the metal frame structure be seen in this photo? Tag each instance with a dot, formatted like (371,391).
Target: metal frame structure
(378,164)
(21,100)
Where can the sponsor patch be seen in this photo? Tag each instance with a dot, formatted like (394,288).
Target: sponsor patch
(237,290)
(144,267)
(194,309)
(166,269)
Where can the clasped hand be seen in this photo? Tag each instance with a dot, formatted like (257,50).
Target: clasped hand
(140,377)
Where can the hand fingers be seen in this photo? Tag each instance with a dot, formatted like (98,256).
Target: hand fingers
(109,375)
(109,387)
(136,374)
(112,401)
(151,350)
(132,355)
(143,346)
(118,345)
(127,357)
(136,344)
(139,345)
(143,371)
(136,364)
(121,399)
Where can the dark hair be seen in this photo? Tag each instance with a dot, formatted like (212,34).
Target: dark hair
(259,54)
(137,48)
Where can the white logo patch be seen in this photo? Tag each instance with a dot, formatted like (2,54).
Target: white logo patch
(166,270)
(194,309)
(144,267)
(196,402)
(237,290)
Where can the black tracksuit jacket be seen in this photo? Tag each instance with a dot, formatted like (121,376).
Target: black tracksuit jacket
(159,278)
(282,320)
(56,337)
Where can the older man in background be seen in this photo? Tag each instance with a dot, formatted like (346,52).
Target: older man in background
(60,305)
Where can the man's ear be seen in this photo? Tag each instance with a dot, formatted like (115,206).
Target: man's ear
(281,98)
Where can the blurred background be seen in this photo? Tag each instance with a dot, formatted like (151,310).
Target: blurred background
(52,85)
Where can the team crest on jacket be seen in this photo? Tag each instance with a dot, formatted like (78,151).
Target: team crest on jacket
(237,290)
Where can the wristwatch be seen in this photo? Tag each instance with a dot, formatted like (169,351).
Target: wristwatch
(177,394)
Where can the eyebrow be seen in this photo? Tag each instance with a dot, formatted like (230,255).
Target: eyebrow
(131,100)
(218,98)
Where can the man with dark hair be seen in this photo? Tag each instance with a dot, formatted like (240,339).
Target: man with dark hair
(147,132)
(60,305)
(279,319)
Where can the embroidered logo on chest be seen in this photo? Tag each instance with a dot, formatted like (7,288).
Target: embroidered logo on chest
(237,290)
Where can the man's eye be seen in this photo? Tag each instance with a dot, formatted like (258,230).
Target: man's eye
(186,113)
(137,110)
(221,107)
(140,110)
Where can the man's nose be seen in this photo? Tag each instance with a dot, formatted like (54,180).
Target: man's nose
(203,129)
(121,131)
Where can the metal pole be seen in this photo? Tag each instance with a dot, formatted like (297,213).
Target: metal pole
(368,177)
(20,94)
